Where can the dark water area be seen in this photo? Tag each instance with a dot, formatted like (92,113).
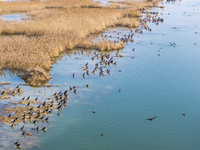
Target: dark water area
(160,78)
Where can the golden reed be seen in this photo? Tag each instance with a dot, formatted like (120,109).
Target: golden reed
(56,25)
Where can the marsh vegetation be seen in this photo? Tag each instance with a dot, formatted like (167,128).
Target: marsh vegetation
(55,26)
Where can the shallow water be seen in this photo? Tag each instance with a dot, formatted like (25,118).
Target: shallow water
(13,17)
(162,79)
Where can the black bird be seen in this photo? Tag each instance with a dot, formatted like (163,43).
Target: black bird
(75,91)
(17,143)
(46,118)
(34,121)
(70,88)
(101,134)
(59,106)
(28,97)
(184,114)
(83,75)
(22,127)
(23,98)
(94,112)
(36,98)
(44,103)
(87,85)
(28,104)
(17,87)
(9,115)
(23,132)
(2,92)
(73,75)
(37,116)
(43,128)
(151,119)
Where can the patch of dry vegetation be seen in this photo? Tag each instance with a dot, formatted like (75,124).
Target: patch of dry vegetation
(55,26)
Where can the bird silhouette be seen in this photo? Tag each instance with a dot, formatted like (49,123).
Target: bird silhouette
(151,119)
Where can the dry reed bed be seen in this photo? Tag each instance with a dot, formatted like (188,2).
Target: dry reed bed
(56,26)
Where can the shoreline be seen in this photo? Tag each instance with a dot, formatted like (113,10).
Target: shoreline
(24,109)
(38,40)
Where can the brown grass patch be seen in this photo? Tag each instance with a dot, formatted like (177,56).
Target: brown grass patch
(162,6)
(56,25)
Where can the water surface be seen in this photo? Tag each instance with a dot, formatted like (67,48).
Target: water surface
(159,78)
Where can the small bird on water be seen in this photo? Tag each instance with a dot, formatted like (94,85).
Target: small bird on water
(151,119)
(17,143)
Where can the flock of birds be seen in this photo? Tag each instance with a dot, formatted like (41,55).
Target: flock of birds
(35,113)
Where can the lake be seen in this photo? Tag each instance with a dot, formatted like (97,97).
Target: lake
(160,78)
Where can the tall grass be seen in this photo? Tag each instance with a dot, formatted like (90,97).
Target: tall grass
(57,25)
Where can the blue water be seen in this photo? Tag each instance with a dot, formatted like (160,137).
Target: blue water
(13,17)
(162,79)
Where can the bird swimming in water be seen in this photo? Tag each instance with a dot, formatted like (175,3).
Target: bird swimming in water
(11,125)
(2,92)
(28,104)
(184,114)
(151,119)
(17,143)
(101,134)
(23,132)
(87,85)
(9,115)
(22,127)
(43,128)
